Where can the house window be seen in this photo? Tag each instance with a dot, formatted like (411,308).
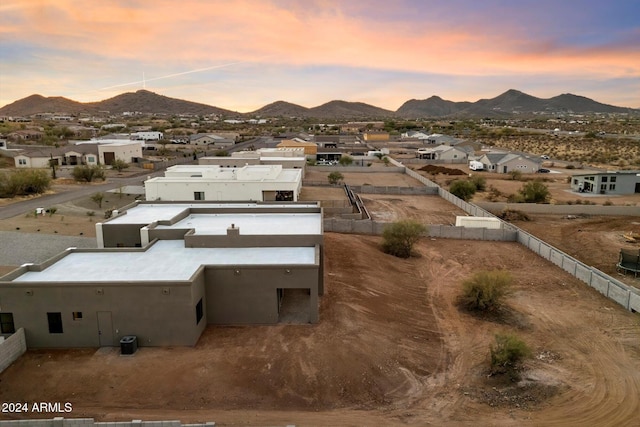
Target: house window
(613,179)
(603,187)
(198,195)
(55,323)
(91,159)
(6,323)
(77,315)
(199,312)
(604,179)
(22,161)
(612,187)
(575,182)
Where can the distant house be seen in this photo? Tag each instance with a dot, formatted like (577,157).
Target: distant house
(210,139)
(443,152)
(507,162)
(614,182)
(438,139)
(310,148)
(147,135)
(61,156)
(25,135)
(127,151)
(376,136)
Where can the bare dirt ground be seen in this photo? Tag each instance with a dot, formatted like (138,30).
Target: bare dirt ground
(596,241)
(425,209)
(364,178)
(392,348)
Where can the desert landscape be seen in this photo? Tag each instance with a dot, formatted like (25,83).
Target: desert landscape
(393,346)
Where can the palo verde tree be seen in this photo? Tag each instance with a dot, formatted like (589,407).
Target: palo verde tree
(507,354)
(463,189)
(535,192)
(400,237)
(335,178)
(88,173)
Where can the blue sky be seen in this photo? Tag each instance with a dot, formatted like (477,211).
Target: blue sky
(243,54)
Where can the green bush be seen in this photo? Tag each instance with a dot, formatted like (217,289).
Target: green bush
(480,182)
(507,353)
(23,182)
(335,178)
(345,160)
(516,175)
(119,165)
(88,173)
(486,290)
(463,189)
(535,192)
(399,237)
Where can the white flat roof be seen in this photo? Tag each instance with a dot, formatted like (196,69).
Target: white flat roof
(166,260)
(252,224)
(148,213)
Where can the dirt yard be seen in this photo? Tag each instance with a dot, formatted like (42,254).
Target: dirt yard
(426,209)
(364,178)
(392,348)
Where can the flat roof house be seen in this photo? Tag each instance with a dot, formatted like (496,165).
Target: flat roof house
(191,264)
(212,182)
(613,182)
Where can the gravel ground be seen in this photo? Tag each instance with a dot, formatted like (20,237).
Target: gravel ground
(18,248)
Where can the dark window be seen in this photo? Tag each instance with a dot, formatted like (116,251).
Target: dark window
(55,323)
(77,315)
(604,179)
(613,179)
(6,323)
(198,195)
(199,311)
(612,186)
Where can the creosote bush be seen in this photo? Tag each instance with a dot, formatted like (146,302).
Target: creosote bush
(485,290)
(24,182)
(88,173)
(335,178)
(463,189)
(399,237)
(507,353)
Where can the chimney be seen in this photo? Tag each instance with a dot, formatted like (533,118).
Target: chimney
(233,230)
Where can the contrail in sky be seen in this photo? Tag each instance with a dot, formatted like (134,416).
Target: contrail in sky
(168,76)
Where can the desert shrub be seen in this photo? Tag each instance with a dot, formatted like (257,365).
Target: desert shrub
(23,182)
(97,198)
(335,177)
(535,192)
(221,153)
(88,173)
(513,215)
(480,182)
(515,198)
(399,237)
(463,189)
(345,160)
(570,166)
(119,165)
(507,353)
(607,203)
(486,290)
(515,175)
(494,194)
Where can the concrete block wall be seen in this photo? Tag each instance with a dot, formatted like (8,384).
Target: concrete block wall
(533,208)
(12,348)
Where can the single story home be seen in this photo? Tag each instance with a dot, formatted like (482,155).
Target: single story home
(164,271)
(507,162)
(70,155)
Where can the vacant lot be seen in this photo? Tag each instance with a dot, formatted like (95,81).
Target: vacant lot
(392,348)
(425,209)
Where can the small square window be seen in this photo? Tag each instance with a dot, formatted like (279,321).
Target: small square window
(77,315)
(199,311)
(6,323)
(198,195)
(613,179)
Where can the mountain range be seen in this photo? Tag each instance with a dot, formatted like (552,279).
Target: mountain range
(508,104)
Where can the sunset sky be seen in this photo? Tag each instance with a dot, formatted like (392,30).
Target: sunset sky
(244,54)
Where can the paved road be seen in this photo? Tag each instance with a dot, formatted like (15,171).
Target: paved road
(19,208)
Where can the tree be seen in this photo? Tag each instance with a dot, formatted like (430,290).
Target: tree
(486,290)
(507,354)
(88,173)
(399,237)
(479,181)
(335,178)
(98,198)
(535,192)
(463,189)
(345,160)
(119,165)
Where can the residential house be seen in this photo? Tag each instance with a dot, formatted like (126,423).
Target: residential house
(164,271)
(212,182)
(70,155)
(612,182)
(444,153)
(210,139)
(310,148)
(507,162)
